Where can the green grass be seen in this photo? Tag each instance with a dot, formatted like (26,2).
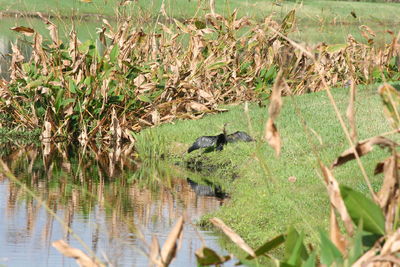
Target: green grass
(326,21)
(314,10)
(265,204)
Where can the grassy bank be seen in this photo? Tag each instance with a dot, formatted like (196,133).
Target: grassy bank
(264,203)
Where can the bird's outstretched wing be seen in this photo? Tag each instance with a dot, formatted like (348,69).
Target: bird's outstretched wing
(239,136)
(203,142)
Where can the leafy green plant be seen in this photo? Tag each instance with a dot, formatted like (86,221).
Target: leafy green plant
(132,79)
(153,167)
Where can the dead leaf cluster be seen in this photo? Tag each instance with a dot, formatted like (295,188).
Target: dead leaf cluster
(147,78)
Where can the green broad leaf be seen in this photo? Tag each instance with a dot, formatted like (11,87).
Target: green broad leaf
(271,74)
(247,263)
(144,98)
(199,24)
(335,48)
(26,67)
(59,99)
(114,53)
(296,254)
(217,65)
(245,66)
(72,86)
(207,256)
(65,102)
(269,245)
(329,252)
(377,74)
(41,80)
(356,250)
(88,80)
(362,208)
(311,261)
(85,46)
(295,251)
(288,22)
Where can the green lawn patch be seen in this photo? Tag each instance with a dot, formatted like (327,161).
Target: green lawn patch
(317,20)
(263,201)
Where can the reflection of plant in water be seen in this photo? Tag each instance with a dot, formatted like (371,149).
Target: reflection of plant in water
(73,182)
(152,154)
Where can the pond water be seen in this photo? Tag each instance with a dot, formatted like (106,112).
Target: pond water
(95,194)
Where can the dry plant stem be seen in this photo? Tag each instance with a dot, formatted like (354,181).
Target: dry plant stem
(350,113)
(5,170)
(346,131)
(246,113)
(391,132)
(339,116)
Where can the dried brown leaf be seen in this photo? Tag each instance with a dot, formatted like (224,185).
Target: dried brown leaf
(390,182)
(365,258)
(24,30)
(271,132)
(391,104)
(392,243)
(336,236)
(154,254)
(368,30)
(197,107)
(233,236)
(155,117)
(212,7)
(276,98)
(81,258)
(272,136)
(116,130)
(52,29)
(169,249)
(336,198)
(362,148)
(46,133)
(350,113)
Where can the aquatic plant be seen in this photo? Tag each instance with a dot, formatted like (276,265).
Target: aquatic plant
(132,79)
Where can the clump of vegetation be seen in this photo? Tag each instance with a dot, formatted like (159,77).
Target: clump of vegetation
(152,157)
(132,79)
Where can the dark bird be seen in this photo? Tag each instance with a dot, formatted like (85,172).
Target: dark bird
(203,142)
(239,136)
(220,140)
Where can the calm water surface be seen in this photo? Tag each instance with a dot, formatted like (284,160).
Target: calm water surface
(91,193)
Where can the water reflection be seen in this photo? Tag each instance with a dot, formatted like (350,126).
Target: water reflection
(5,52)
(91,191)
(5,48)
(209,189)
